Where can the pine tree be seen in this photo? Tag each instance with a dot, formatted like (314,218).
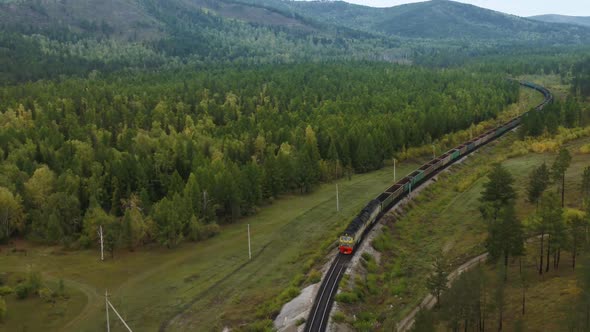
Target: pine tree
(549,222)
(424,321)
(538,183)
(505,236)
(585,186)
(497,193)
(437,281)
(560,166)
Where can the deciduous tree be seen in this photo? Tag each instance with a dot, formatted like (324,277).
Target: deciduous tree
(12,216)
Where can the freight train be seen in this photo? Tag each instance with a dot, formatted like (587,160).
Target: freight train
(352,236)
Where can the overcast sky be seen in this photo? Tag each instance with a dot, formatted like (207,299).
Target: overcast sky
(516,7)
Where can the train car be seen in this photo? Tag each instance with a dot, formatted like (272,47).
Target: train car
(396,191)
(356,229)
(415,177)
(445,159)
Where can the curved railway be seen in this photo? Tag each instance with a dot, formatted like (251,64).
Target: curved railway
(320,312)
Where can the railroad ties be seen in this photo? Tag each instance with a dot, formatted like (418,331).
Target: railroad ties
(320,312)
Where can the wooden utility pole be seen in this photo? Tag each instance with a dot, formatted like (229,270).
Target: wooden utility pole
(106,304)
(337,200)
(249,246)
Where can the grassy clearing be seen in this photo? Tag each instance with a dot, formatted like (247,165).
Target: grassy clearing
(445,217)
(36,314)
(211,282)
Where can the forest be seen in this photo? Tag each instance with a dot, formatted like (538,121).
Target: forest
(163,157)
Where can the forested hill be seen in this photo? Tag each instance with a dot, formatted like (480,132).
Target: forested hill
(577,20)
(439,19)
(70,37)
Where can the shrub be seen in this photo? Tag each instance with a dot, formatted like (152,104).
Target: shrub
(585,149)
(314,276)
(300,321)
(22,291)
(199,231)
(365,321)
(46,294)
(383,242)
(399,287)
(339,317)
(34,282)
(84,242)
(347,297)
(5,290)
(297,280)
(289,294)
(372,284)
(367,257)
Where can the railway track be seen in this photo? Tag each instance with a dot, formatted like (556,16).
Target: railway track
(319,315)
(320,312)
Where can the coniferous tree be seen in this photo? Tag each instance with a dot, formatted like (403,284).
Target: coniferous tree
(498,192)
(437,281)
(538,183)
(505,236)
(585,185)
(424,321)
(560,166)
(549,222)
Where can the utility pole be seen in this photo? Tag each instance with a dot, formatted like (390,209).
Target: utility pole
(337,199)
(106,304)
(249,247)
(121,318)
(101,244)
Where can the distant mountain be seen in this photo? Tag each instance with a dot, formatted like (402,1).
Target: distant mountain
(54,37)
(552,18)
(439,19)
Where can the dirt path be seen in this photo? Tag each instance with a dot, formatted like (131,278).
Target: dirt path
(92,302)
(429,301)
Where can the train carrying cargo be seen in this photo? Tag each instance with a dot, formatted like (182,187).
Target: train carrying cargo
(355,231)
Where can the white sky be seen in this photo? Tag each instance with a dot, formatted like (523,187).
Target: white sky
(516,7)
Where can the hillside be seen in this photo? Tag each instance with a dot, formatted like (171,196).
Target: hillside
(68,37)
(52,38)
(552,18)
(440,19)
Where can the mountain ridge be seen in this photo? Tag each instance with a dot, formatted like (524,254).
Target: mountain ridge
(565,19)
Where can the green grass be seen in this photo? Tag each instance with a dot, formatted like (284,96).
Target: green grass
(211,283)
(35,314)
